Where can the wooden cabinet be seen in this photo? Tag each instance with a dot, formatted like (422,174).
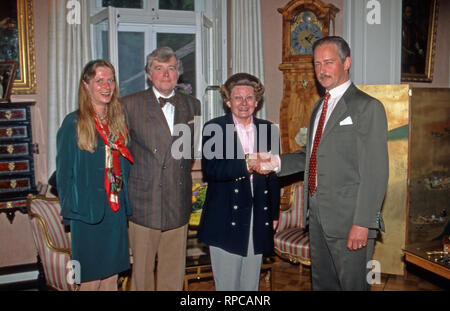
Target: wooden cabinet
(16,157)
(429,168)
(415,208)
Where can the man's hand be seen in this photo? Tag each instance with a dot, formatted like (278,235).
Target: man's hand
(357,237)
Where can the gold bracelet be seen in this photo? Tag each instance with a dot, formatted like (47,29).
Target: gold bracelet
(247,162)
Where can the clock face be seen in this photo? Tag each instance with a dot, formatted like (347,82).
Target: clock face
(304,32)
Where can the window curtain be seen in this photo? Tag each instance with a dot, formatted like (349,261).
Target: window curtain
(68,51)
(246,41)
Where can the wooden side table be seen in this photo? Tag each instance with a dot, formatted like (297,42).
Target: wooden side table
(429,256)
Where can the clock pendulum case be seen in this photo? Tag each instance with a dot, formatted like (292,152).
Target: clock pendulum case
(304,22)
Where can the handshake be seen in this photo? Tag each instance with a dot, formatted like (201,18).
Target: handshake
(262,163)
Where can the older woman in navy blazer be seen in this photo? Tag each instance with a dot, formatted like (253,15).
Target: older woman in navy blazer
(241,207)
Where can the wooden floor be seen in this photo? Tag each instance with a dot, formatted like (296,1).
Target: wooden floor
(287,277)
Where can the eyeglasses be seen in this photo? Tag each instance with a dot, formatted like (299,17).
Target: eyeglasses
(248,99)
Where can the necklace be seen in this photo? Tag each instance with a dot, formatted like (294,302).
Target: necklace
(102,119)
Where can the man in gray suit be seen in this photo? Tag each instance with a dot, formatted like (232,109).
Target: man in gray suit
(346,172)
(160,185)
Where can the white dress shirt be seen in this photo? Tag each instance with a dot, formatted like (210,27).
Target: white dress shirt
(168,110)
(246,135)
(335,96)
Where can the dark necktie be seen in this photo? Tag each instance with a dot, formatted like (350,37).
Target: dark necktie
(313,160)
(163,101)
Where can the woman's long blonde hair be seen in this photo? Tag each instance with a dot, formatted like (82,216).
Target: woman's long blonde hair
(86,132)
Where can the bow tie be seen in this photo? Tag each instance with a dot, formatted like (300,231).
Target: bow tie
(163,101)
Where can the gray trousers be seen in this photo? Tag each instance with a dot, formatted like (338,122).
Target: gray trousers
(333,265)
(234,272)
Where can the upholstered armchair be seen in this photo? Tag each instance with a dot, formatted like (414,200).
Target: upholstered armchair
(52,242)
(291,241)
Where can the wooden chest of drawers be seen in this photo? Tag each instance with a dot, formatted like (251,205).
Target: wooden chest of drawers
(16,157)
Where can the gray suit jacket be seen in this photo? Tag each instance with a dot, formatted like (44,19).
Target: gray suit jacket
(160,187)
(352,165)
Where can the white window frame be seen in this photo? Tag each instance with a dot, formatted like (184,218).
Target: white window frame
(150,7)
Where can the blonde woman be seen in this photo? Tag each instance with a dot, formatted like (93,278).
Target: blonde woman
(92,166)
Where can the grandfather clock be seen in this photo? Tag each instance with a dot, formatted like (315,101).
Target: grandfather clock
(304,21)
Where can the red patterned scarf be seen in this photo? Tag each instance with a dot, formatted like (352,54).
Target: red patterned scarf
(114,147)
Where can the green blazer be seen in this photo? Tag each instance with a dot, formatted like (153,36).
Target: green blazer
(352,165)
(80,177)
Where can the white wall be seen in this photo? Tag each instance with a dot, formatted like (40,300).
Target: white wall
(376,48)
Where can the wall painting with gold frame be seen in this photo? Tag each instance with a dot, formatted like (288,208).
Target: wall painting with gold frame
(419,28)
(17,43)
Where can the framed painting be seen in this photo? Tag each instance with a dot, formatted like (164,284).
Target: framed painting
(419,25)
(17,43)
(7,75)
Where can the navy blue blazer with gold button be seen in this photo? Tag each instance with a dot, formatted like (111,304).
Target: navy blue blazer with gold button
(225,221)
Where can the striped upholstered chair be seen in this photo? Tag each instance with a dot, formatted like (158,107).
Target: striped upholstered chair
(52,242)
(291,241)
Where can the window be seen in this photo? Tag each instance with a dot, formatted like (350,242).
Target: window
(100,30)
(126,31)
(182,5)
(184,45)
(130,4)
(131,73)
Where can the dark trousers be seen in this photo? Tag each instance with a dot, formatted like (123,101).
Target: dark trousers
(333,265)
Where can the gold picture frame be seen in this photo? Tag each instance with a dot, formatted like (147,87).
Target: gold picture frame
(419,28)
(17,43)
(7,75)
